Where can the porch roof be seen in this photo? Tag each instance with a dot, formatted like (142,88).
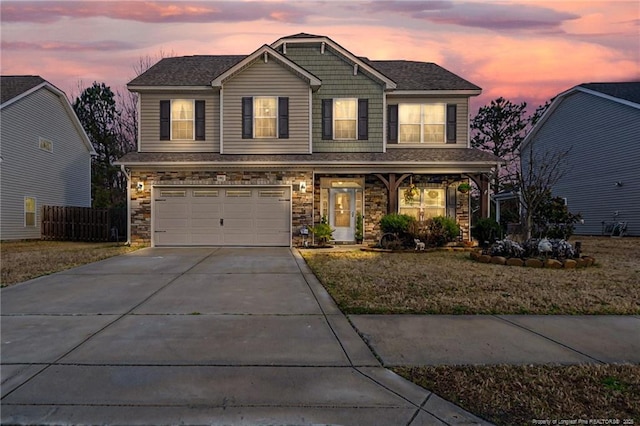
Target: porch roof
(463,160)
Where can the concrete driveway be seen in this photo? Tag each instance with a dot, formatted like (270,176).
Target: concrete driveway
(196,336)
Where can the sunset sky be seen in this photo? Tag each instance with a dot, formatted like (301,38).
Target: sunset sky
(522,50)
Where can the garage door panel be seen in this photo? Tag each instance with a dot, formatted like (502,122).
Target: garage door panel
(250,216)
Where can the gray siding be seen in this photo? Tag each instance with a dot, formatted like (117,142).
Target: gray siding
(462,116)
(266,79)
(338,81)
(61,177)
(604,137)
(150,122)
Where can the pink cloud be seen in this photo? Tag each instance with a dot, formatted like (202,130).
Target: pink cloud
(149,11)
(111,45)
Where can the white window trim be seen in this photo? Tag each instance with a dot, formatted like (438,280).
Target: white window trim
(193,120)
(35,212)
(422,123)
(355,100)
(42,142)
(256,116)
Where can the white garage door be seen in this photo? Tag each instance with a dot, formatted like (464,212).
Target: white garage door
(222,216)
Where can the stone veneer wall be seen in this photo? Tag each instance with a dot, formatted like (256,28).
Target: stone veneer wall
(302,203)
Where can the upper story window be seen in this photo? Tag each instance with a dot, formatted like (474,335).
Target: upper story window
(265,117)
(429,123)
(422,123)
(182,119)
(345,119)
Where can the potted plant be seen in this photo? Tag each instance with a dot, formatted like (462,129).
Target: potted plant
(359,228)
(464,187)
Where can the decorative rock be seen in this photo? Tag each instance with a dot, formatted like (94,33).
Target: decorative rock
(514,261)
(570,264)
(553,264)
(533,263)
(580,263)
(498,260)
(589,260)
(484,258)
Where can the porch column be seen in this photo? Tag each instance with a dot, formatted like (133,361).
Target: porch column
(482,181)
(392,183)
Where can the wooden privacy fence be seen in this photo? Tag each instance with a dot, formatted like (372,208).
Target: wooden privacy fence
(83,224)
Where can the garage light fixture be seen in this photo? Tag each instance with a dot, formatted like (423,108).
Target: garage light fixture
(140,186)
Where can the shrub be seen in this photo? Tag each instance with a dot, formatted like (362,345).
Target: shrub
(506,248)
(396,223)
(485,230)
(449,227)
(560,249)
(322,232)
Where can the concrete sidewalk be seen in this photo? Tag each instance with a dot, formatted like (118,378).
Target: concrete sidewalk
(196,336)
(500,339)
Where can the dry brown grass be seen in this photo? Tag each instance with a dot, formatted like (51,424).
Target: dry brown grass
(516,395)
(24,260)
(451,283)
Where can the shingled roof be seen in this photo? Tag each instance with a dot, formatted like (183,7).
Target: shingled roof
(629,91)
(202,70)
(15,85)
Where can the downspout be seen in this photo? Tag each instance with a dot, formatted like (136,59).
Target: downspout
(128,175)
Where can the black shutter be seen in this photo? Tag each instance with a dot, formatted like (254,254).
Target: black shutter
(392,123)
(451,202)
(200,120)
(452,110)
(165,120)
(247,118)
(363,119)
(283,118)
(327,119)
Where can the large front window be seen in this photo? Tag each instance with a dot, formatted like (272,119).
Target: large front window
(422,123)
(265,117)
(345,122)
(182,117)
(422,203)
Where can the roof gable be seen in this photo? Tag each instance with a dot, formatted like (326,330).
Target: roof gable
(19,87)
(12,86)
(623,93)
(267,51)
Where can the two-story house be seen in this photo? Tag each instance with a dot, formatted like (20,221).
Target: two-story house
(248,150)
(45,155)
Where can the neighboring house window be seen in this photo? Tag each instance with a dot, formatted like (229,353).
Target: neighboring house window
(427,203)
(45,144)
(422,123)
(29,211)
(345,119)
(265,117)
(182,119)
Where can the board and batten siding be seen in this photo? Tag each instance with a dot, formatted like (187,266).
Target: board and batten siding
(604,141)
(150,122)
(338,81)
(266,79)
(462,118)
(60,178)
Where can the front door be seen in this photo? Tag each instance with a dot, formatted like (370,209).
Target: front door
(342,207)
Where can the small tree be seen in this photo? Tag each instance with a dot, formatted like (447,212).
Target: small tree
(552,218)
(322,232)
(537,175)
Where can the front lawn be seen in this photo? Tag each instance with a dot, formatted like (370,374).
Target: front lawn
(24,260)
(451,283)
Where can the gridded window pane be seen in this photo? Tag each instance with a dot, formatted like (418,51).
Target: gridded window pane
(433,113)
(433,133)
(181,119)
(29,211)
(345,129)
(410,133)
(265,113)
(344,115)
(409,118)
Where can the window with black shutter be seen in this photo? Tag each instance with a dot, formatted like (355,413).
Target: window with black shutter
(283,118)
(165,120)
(200,114)
(392,123)
(363,119)
(452,110)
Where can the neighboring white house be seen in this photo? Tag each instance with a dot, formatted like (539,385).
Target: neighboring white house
(45,155)
(600,124)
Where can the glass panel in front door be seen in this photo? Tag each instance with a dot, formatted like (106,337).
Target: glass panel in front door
(342,204)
